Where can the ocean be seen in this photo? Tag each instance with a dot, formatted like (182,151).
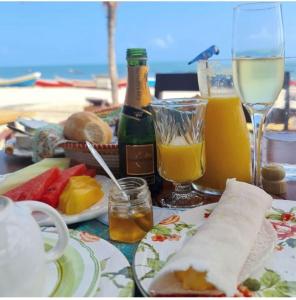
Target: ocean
(87,72)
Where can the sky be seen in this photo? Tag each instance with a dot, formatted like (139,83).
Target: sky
(60,33)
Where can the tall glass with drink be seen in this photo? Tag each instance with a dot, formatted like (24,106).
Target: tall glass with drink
(228,153)
(179,129)
(258,63)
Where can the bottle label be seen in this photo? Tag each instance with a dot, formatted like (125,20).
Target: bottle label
(138,93)
(140,159)
(135,113)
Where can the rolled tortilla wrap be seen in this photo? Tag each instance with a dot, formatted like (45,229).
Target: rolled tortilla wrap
(223,244)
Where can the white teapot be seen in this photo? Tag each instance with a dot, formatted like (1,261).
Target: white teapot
(22,255)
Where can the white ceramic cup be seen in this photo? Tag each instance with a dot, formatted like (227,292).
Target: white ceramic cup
(22,255)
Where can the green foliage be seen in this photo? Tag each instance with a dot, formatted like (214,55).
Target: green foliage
(180,226)
(103,263)
(252,284)
(159,229)
(272,216)
(155,264)
(269,278)
(278,210)
(282,287)
(149,274)
(273,293)
(127,290)
(275,287)
(141,248)
(291,287)
(126,272)
(191,232)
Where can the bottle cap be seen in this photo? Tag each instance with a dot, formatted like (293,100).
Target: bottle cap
(139,53)
(273,172)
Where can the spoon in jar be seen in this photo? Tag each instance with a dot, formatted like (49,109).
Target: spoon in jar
(102,163)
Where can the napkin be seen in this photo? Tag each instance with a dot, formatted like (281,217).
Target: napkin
(45,141)
(228,247)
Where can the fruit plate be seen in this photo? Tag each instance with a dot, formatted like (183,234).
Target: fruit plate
(277,276)
(94,211)
(69,277)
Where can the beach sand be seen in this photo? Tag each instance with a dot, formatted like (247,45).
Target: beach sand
(55,104)
(50,104)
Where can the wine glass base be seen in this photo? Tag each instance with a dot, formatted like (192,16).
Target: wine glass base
(178,201)
(206,190)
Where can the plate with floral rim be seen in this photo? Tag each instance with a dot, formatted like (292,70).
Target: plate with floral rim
(276,278)
(76,274)
(116,278)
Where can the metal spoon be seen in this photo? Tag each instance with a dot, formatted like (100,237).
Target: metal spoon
(102,163)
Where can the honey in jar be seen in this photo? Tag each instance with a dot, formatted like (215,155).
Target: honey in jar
(130,219)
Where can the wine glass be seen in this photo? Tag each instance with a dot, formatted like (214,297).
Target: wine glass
(179,131)
(258,63)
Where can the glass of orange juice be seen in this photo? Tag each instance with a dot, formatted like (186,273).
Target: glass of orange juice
(228,151)
(179,130)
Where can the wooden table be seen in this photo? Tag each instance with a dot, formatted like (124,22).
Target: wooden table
(10,163)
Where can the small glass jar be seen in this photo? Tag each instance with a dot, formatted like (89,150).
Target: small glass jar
(130,219)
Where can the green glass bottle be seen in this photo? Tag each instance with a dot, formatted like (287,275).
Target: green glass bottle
(136,139)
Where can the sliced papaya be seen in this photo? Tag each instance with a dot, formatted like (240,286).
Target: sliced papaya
(52,193)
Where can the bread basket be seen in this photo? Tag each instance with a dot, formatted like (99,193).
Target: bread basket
(79,153)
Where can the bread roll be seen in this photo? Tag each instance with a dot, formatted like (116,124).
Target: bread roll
(84,126)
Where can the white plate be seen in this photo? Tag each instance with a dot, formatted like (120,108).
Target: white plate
(27,153)
(94,211)
(76,274)
(116,274)
(276,278)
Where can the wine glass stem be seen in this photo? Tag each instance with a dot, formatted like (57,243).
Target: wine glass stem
(182,188)
(257,121)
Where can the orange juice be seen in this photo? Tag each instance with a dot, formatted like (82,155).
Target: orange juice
(228,152)
(180,162)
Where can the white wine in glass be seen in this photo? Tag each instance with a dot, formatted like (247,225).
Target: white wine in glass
(259,79)
(258,63)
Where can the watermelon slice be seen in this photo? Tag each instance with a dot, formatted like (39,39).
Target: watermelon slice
(52,194)
(90,172)
(35,187)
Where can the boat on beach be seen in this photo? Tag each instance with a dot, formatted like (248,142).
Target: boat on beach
(78,83)
(52,83)
(20,81)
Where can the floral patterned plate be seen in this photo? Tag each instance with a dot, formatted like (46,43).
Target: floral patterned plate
(276,279)
(116,274)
